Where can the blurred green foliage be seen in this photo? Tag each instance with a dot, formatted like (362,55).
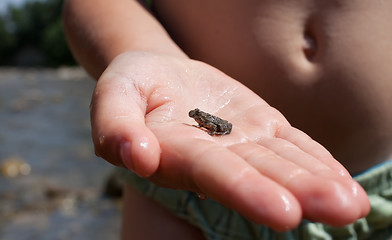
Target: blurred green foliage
(32,34)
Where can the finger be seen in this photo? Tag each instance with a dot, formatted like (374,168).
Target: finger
(322,198)
(296,155)
(213,170)
(118,127)
(308,145)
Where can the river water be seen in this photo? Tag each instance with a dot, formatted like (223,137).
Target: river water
(44,126)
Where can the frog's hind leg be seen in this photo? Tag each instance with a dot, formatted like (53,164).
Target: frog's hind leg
(212,129)
(218,133)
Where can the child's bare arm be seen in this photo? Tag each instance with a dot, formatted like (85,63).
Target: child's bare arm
(99,30)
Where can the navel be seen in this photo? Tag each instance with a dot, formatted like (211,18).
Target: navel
(309,45)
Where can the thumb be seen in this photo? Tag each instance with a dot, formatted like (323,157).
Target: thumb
(119,132)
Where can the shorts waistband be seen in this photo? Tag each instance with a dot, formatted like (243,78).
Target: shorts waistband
(376,179)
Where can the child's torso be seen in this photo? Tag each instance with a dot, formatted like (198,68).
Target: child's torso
(326,65)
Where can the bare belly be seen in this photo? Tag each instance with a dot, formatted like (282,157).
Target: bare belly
(326,65)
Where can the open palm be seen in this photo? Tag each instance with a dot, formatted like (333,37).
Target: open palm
(265,169)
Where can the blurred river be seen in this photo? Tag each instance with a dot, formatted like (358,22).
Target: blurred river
(51,183)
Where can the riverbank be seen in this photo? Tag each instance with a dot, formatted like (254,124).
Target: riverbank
(44,124)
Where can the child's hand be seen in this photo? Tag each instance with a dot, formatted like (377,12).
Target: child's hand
(265,169)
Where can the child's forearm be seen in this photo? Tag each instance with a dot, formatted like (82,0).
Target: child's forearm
(99,30)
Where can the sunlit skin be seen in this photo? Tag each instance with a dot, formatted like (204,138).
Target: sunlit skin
(270,170)
(323,64)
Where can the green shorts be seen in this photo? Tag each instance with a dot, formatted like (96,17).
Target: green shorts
(218,222)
